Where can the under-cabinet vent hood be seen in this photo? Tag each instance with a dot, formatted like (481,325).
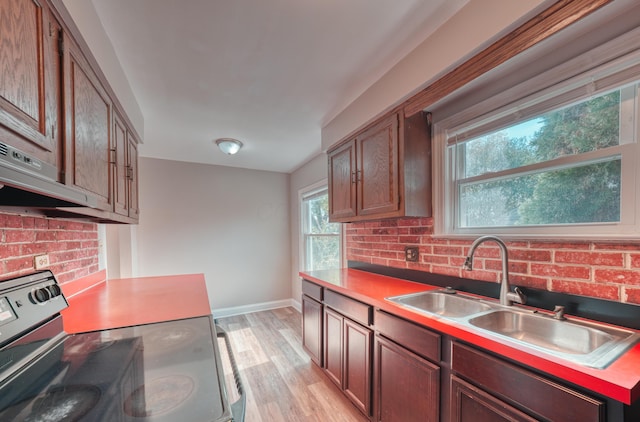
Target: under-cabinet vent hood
(26,181)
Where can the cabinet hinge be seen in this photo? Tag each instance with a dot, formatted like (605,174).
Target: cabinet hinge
(112,156)
(429,118)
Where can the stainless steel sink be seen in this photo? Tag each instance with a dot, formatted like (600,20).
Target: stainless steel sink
(560,336)
(441,303)
(587,343)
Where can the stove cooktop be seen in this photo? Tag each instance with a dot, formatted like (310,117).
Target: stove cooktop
(167,371)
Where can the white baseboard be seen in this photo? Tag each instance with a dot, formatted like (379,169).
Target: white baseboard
(257,307)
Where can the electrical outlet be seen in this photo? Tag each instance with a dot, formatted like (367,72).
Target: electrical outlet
(411,253)
(41,261)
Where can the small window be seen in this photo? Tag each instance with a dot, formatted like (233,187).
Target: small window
(555,163)
(321,239)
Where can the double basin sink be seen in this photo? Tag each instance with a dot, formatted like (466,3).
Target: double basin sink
(587,343)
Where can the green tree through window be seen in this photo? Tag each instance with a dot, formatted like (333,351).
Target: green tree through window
(519,175)
(321,239)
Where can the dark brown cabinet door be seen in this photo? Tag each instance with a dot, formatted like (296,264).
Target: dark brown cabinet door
(357,365)
(312,328)
(119,167)
(470,404)
(407,386)
(124,167)
(88,128)
(333,345)
(30,79)
(382,172)
(132,180)
(347,357)
(377,173)
(342,182)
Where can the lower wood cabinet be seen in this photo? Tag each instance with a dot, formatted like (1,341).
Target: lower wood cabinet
(356,382)
(471,404)
(312,328)
(537,396)
(333,345)
(407,387)
(407,372)
(347,357)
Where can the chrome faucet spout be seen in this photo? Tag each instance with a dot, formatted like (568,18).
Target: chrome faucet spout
(507,297)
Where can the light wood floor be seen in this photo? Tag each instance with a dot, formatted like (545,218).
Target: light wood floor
(281,382)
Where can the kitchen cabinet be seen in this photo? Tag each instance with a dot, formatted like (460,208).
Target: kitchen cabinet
(88,127)
(124,170)
(312,324)
(348,343)
(119,179)
(58,119)
(132,176)
(521,394)
(406,384)
(384,171)
(420,374)
(471,404)
(30,80)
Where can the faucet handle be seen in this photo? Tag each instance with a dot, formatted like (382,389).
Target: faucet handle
(518,296)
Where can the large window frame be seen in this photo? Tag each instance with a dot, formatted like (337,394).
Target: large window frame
(305,195)
(570,84)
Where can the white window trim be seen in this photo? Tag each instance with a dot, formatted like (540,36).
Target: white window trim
(509,105)
(303,193)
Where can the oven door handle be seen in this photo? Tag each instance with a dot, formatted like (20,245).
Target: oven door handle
(238,407)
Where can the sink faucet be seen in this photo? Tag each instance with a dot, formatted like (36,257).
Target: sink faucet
(507,297)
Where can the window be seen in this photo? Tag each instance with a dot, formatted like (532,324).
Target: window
(559,162)
(320,243)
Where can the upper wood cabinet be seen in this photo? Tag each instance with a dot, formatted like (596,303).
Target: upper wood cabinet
(30,79)
(119,180)
(384,171)
(132,176)
(124,168)
(88,127)
(59,112)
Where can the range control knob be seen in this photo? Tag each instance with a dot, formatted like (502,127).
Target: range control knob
(41,295)
(54,290)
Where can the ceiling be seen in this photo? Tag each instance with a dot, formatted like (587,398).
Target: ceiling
(270,73)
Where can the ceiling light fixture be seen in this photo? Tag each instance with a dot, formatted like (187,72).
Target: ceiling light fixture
(228,145)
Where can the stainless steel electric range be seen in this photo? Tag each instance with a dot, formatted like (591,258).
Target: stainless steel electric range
(166,371)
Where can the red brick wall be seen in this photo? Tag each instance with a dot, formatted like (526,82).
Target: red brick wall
(605,270)
(72,246)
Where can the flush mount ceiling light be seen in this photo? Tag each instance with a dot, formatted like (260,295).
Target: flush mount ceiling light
(228,145)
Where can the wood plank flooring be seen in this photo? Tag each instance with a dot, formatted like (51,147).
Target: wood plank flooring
(281,382)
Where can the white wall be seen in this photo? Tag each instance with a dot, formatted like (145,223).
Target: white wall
(230,224)
(312,172)
(473,27)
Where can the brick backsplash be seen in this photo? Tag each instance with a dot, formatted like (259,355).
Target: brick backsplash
(605,270)
(72,246)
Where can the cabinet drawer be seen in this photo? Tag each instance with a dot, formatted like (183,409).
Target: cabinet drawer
(355,310)
(312,290)
(526,390)
(411,336)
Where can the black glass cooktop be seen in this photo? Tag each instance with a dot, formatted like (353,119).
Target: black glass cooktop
(156,372)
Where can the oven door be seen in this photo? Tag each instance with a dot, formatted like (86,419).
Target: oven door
(169,371)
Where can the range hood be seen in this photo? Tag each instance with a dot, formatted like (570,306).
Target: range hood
(26,181)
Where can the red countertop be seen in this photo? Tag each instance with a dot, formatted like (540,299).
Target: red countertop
(619,381)
(134,301)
